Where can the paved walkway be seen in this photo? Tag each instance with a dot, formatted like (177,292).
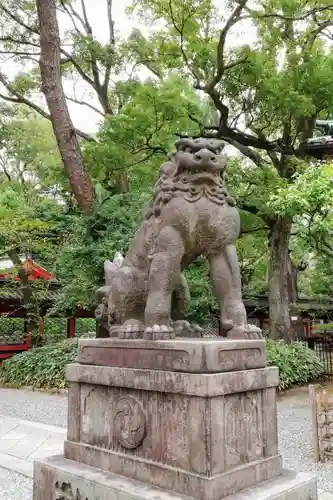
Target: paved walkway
(23,441)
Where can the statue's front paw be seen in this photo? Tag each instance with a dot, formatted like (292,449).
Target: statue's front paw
(131,329)
(244,332)
(159,332)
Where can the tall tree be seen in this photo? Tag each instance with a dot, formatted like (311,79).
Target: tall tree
(267,93)
(64,130)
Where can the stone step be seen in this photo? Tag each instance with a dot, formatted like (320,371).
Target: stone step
(289,486)
(58,475)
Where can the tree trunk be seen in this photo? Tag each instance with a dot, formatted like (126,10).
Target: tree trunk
(52,88)
(278,280)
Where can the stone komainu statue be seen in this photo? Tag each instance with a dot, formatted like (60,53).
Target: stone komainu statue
(191,214)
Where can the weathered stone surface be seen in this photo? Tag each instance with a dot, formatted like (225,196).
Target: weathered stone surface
(74,412)
(202,487)
(184,355)
(201,385)
(195,434)
(88,483)
(289,486)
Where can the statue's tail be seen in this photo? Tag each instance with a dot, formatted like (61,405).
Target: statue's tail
(102,294)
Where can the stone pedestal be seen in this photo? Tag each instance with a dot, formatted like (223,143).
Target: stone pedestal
(186,419)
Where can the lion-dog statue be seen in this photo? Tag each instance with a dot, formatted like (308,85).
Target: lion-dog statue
(191,214)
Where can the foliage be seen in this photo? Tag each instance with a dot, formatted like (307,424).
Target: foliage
(41,367)
(94,239)
(137,140)
(11,330)
(296,362)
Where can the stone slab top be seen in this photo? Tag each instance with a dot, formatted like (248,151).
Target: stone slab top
(191,384)
(179,355)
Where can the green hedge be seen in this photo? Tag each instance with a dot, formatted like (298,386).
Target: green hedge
(44,367)
(296,362)
(41,367)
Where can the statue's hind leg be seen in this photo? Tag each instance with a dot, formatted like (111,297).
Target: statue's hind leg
(226,278)
(164,276)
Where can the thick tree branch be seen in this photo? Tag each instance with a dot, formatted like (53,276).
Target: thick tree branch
(247,151)
(248,208)
(220,66)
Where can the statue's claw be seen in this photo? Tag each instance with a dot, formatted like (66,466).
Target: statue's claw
(245,332)
(131,329)
(159,332)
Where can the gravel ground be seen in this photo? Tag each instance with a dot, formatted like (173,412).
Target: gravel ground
(37,406)
(295,438)
(294,418)
(14,486)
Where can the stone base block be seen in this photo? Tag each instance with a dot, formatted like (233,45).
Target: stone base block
(58,478)
(289,486)
(180,355)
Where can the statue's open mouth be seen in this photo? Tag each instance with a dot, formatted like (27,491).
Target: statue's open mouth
(198,176)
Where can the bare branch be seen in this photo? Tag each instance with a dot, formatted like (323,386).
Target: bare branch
(308,13)
(85,17)
(20,99)
(84,103)
(321,27)
(23,41)
(19,53)
(71,16)
(19,20)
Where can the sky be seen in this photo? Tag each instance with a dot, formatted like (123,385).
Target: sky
(83,117)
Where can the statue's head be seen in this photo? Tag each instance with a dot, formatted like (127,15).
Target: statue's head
(199,155)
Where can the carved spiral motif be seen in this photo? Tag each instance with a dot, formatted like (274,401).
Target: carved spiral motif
(129,422)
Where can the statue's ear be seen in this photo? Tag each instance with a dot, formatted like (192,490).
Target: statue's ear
(110,270)
(118,259)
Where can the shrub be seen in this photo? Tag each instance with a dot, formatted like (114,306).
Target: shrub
(44,367)
(296,362)
(41,367)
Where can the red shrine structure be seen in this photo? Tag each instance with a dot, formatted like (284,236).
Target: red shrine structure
(11,300)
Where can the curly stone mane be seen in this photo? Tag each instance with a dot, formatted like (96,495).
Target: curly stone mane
(181,176)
